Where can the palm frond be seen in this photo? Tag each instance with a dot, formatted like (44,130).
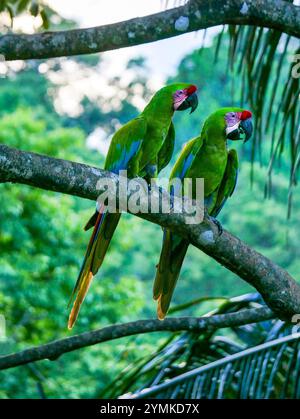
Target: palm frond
(269,370)
(185,352)
(261,60)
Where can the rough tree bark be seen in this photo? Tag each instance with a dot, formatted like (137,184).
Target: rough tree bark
(279,290)
(194,15)
(54,350)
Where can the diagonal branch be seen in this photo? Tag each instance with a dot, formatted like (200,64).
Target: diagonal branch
(194,15)
(279,290)
(55,349)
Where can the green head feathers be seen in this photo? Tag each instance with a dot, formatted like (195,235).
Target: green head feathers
(231,123)
(174,97)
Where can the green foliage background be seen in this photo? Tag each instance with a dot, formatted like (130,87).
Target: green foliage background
(42,242)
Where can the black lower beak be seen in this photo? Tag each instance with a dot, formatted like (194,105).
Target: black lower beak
(234,135)
(247,127)
(243,132)
(190,102)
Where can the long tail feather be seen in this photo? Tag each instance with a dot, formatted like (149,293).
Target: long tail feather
(86,282)
(105,226)
(168,269)
(92,221)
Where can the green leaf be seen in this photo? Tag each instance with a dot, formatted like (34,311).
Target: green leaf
(34,8)
(45,19)
(22,5)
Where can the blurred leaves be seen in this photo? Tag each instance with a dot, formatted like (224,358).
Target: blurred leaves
(264,61)
(42,243)
(36,8)
(253,68)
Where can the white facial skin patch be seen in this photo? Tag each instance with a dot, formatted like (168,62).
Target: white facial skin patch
(232,128)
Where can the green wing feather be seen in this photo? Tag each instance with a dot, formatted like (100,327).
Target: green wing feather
(134,147)
(166,151)
(174,248)
(206,157)
(228,183)
(123,154)
(124,150)
(171,258)
(186,158)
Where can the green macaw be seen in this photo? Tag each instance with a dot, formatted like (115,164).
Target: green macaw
(143,147)
(204,157)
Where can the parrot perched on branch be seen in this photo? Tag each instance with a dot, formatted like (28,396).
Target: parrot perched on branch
(204,157)
(143,147)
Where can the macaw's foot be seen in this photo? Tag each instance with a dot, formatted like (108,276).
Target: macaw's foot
(217,223)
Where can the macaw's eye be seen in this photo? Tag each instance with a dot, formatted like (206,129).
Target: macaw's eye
(232,114)
(180,91)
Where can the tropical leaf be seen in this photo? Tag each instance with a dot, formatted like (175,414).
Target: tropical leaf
(187,353)
(269,370)
(33,7)
(262,59)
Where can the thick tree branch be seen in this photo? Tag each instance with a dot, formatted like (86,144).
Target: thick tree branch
(55,349)
(195,15)
(277,287)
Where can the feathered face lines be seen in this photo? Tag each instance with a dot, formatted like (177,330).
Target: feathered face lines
(239,125)
(185,98)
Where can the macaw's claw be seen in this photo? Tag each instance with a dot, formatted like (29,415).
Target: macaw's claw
(217,223)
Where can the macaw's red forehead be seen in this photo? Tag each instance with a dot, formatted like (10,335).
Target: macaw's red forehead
(191,89)
(246,115)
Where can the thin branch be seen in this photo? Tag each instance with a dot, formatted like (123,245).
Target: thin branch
(195,15)
(55,349)
(279,290)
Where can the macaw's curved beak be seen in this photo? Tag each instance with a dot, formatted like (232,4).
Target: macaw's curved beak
(190,102)
(241,131)
(247,127)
